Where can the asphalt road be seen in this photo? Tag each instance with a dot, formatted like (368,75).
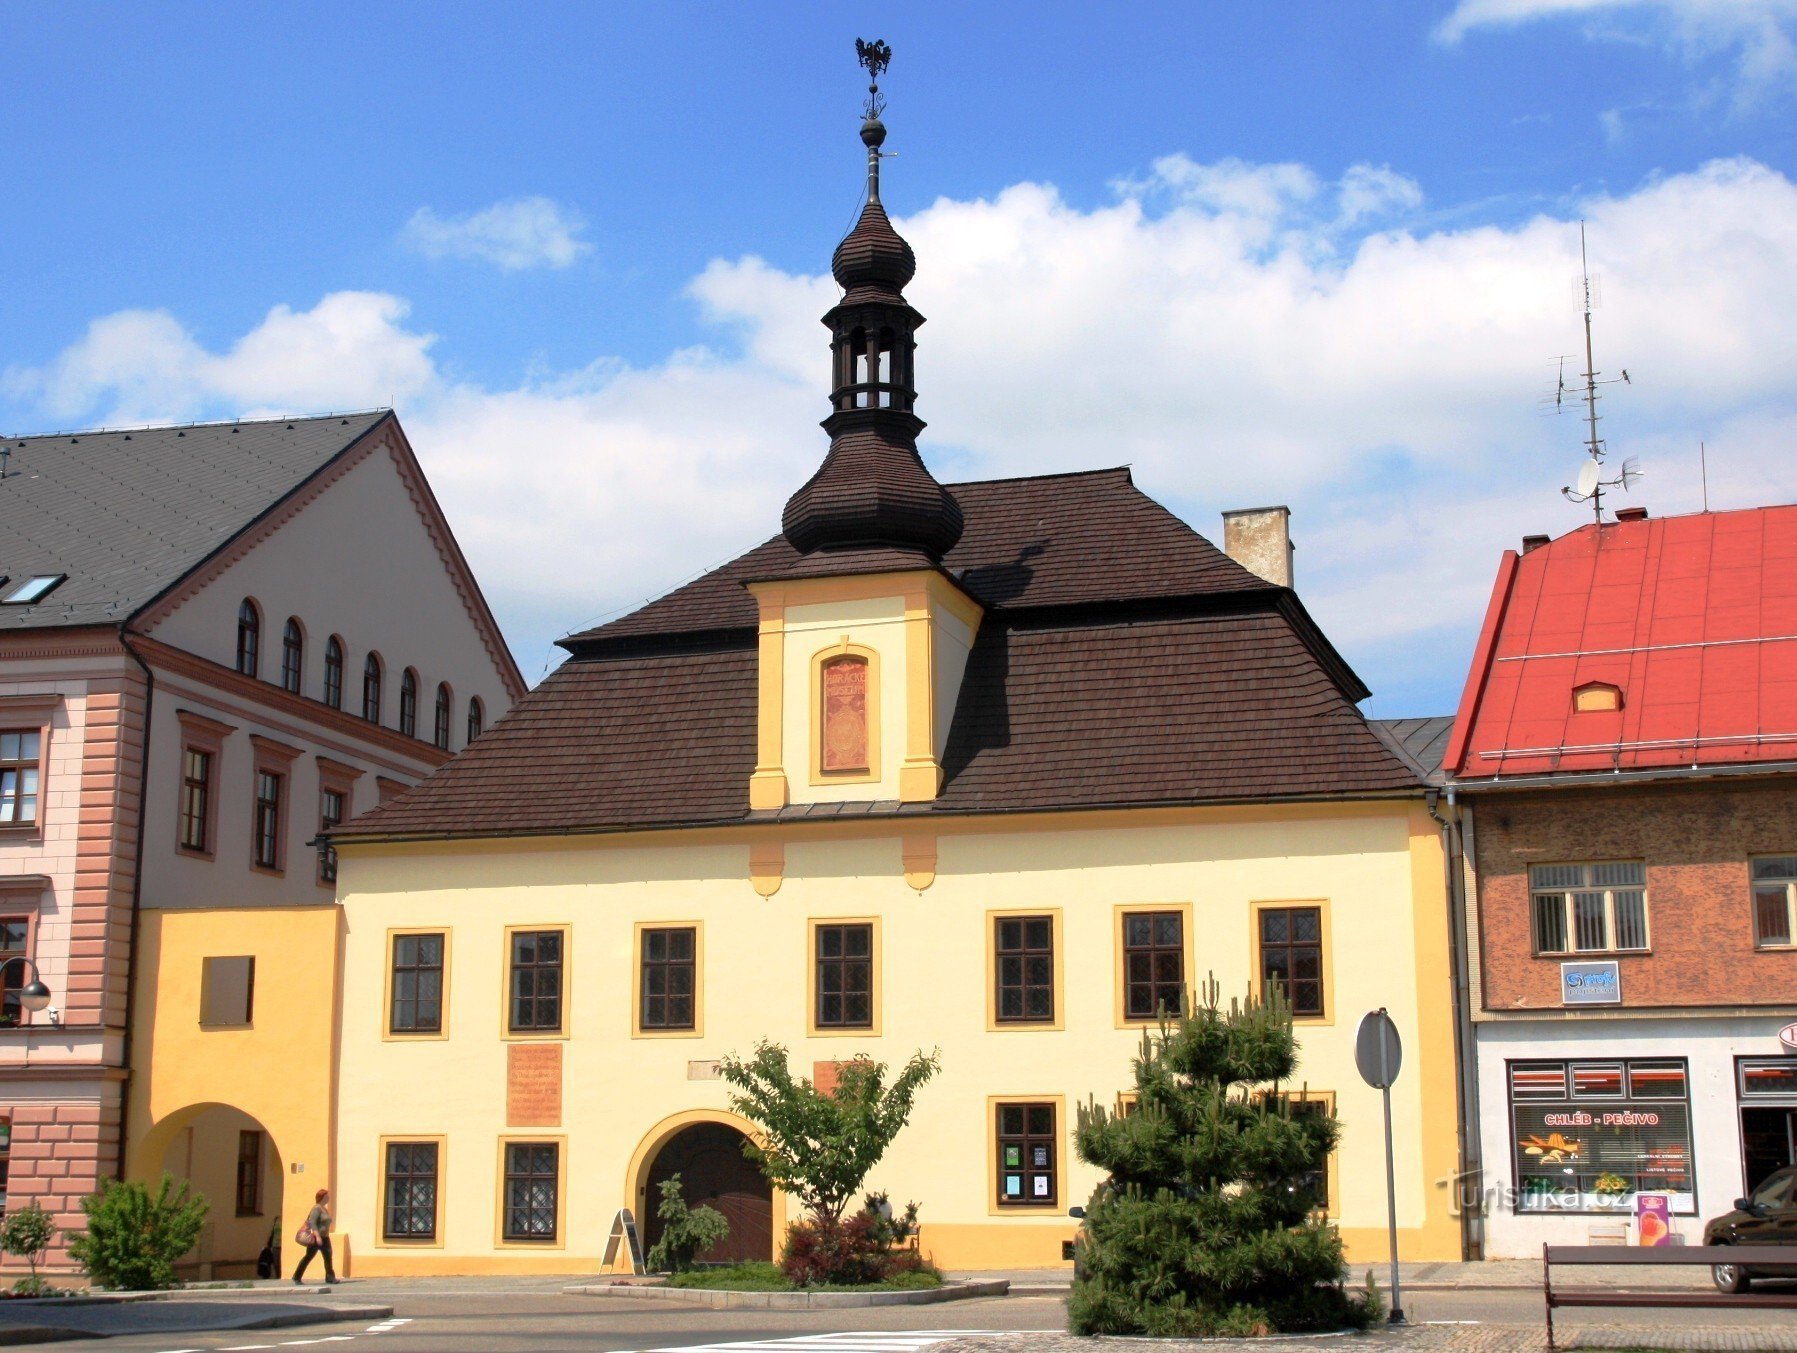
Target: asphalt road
(434,1321)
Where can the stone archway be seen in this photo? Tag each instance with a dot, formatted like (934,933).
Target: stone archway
(231,1159)
(708,1157)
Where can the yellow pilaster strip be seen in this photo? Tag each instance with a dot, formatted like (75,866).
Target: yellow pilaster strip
(920,777)
(767,786)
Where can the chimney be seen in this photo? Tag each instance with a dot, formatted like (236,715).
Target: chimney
(1260,540)
(1530,543)
(1631,514)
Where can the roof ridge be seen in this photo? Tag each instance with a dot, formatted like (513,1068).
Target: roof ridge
(1053,474)
(200,423)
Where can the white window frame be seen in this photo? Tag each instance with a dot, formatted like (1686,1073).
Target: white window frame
(1568,895)
(1785,878)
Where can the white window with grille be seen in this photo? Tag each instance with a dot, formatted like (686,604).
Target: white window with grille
(1775,901)
(1588,908)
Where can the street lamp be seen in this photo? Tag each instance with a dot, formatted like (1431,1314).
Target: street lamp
(34,995)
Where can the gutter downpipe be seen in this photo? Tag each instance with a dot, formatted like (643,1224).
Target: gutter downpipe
(1468,1189)
(137,886)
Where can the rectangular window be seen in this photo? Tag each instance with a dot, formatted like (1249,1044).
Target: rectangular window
(196,794)
(20,749)
(249,1174)
(268,820)
(1775,901)
(1027,1142)
(5,1159)
(330,814)
(1589,908)
(416,1005)
(670,978)
(409,1205)
(531,1182)
(1154,963)
(845,976)
(536,985)
(15,940)
(227,991)
(1023,951)
(1315,1184)
(1589,1136)
(1291,957)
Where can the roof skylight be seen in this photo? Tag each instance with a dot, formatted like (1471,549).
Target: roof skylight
(34,588)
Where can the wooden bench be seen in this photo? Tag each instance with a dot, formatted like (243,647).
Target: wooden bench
(1753,1256)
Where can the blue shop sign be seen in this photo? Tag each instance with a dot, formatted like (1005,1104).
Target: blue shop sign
(1593,983)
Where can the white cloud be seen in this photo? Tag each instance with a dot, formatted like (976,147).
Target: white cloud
(526,232)
(1758,33)
(1231,342)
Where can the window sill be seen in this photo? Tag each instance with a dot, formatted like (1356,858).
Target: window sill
(667,1033)
(269,870)
(192,852)
(211,1028)
(1785,948)
(533,1035)
(1593,955)
(21,831)
(408,1243)
(415,1035)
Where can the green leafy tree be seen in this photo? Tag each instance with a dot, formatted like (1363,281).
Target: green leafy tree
(1206,1224)
(819,1147)
(26,1234)
(134,1237)
(686,1232)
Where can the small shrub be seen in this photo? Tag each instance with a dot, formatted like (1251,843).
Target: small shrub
(133,1237)
(686,1233)
(822,1250)
(26,1234)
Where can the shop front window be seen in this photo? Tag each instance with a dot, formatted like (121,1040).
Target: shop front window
(1768,1094)
(1590,1136)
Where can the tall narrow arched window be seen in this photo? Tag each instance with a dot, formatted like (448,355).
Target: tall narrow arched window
(293,655)
(371,688)
(440,725)
(333,673)
(249,637)
(408,703)
(844,746)
(477,718)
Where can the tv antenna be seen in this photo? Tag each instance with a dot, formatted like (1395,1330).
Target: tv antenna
(1591,481)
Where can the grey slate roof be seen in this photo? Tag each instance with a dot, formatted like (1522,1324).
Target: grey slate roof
(127,514)
(1421,742)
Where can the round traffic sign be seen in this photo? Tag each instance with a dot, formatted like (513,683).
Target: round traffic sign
(1378,1052)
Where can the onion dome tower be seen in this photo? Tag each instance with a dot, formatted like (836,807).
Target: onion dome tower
(872,490)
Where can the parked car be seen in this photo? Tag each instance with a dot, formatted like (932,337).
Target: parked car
(1769,1217)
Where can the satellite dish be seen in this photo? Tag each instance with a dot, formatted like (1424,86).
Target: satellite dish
(1588,478)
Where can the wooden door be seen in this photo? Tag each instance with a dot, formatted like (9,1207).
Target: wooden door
(709,1159)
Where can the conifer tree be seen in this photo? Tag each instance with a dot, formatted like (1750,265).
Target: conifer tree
(1206,1224)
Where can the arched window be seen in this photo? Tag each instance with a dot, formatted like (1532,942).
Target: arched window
(408,703)
(293,655)
(249,637)
(440,725)
(477,718)
(333,673)
(845,741)
(371,688)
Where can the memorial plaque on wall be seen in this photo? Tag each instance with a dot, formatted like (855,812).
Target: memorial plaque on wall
(533,1085)
(845,715)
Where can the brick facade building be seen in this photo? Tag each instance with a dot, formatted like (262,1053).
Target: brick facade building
(1625,762)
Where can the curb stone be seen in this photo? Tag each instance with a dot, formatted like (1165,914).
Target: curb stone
(725,1300)
(316,1315)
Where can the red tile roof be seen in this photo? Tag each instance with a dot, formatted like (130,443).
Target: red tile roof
(1693,618)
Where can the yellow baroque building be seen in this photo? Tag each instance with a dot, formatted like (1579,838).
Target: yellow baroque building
(997,768)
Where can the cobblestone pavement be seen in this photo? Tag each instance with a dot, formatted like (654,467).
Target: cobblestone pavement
(1443,1338)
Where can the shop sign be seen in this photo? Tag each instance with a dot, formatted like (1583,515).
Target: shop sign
(1788,1037)
(1597,982)
(1653,1219)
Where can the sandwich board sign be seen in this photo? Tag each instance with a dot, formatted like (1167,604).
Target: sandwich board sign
(623,1230)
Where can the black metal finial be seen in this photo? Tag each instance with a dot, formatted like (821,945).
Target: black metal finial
(876,56)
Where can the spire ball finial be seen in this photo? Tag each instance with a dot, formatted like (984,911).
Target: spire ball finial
(875,56)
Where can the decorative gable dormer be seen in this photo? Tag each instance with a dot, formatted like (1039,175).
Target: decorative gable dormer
(864,642)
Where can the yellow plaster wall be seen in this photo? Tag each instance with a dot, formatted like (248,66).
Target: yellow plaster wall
(878,625)
(205,1153)
(1371,864)
(276,1073)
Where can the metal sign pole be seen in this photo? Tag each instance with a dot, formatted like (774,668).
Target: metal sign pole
(1391,1211)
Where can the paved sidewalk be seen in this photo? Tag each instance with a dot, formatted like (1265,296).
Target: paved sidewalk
(1488,1275)
(31,1322)
(1454,1338)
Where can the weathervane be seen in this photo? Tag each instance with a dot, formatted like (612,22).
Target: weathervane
(876,56)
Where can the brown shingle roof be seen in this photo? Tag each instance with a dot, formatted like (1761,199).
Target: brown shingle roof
(1049,540)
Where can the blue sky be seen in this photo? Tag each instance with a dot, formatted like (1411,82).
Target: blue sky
(1315,253)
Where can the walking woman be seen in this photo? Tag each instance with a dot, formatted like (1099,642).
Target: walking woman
(315,1235)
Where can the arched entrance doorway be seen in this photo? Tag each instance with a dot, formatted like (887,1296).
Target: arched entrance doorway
(713,1170)
(230,1159)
